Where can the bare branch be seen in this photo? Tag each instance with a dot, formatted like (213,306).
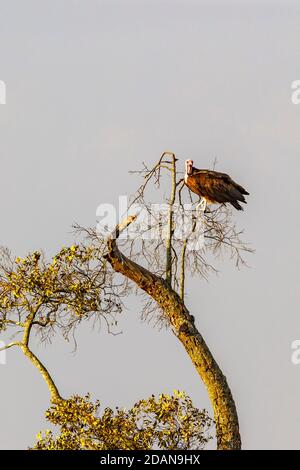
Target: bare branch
(171,224)
(10,345)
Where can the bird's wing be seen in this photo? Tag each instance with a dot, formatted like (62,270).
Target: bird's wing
(217,187)
(224,177)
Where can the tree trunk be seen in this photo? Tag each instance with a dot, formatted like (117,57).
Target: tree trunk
(225,414)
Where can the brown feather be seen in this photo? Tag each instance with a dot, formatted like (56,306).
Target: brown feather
(216,187)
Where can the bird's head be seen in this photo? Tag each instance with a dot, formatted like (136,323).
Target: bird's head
(189,167)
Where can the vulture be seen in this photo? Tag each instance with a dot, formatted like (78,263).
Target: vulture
(214,187)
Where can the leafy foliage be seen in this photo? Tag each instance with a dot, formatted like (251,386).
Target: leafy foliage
(166,422)
(58,294)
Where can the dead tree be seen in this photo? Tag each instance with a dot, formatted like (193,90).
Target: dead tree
(171,258)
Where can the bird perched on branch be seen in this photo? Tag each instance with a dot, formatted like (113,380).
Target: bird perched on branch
(213,187)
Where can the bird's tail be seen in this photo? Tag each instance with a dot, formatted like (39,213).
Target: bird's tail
(237,205)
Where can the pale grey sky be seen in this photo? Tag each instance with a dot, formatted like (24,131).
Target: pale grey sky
(94,88)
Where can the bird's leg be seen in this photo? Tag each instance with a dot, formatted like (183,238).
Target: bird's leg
(207,209)
(199,203)
(202,205)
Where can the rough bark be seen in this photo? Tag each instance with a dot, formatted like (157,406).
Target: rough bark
(225,414)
